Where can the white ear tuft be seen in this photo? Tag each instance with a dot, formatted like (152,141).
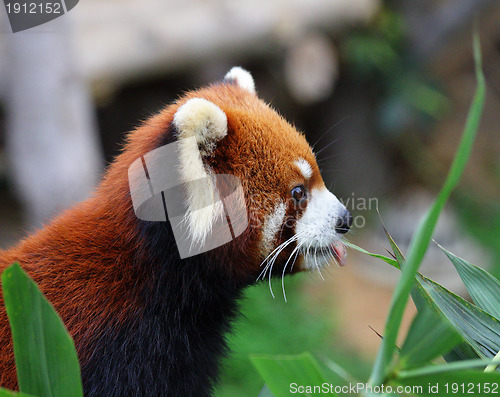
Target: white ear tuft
(242,77)
(202,120)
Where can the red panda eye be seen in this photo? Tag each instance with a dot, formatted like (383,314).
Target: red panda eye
(298,193)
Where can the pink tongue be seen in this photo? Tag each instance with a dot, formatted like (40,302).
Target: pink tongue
(340,253)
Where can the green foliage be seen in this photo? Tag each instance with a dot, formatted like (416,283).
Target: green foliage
(423,234)
(429,337)
(278,370)
(46,359)
(483,288)
(478,328)
(10,393)
(445,324)
(271,326)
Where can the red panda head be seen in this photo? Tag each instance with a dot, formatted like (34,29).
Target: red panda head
(223,167)
(282,215)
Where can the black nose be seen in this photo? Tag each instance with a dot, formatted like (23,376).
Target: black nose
(344,222)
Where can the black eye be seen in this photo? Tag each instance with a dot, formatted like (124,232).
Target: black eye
(299,193)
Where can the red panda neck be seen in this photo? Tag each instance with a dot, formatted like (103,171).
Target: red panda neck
(174,336)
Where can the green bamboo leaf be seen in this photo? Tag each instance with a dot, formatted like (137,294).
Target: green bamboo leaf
(283,373)
(423,234)
(46,360)
(483,288)
(461,352)
(390,261)
(478,328)
(429,337)
(400,259)
(442,368)
(424,301)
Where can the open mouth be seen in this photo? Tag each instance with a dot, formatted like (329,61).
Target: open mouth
(340,253)
(336,250)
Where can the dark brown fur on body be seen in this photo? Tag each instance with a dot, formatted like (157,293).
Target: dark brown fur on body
(114,279)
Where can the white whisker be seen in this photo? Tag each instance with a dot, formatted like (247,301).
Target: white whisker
(316,262)
(296,249)
(275,253)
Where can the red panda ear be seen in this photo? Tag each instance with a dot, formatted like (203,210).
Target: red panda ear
(204,121)
(242,78)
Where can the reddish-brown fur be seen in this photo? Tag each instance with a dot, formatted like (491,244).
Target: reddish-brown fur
(81,260)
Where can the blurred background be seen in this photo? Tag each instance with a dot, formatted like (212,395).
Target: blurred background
(381,89)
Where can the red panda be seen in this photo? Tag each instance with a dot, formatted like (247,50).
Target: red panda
(144,320)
